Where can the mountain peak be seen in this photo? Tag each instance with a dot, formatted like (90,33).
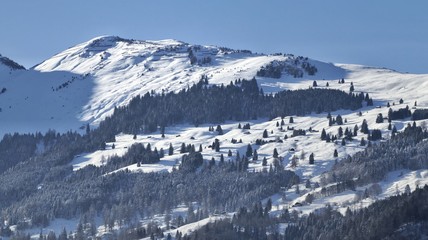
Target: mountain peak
(108,41)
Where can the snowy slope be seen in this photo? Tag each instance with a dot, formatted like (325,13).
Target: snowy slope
(84,83)
(122,69)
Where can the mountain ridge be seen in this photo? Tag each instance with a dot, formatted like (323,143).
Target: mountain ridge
(84,83)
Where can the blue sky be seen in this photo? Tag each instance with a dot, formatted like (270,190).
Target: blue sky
(391,34)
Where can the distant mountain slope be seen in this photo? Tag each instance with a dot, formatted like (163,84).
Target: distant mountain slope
(122,69)
(6,62)
(84,83)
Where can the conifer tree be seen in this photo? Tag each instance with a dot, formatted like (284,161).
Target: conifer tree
(275,153)
(264,162)
(340,132)
(311,159)
(249,151)
(170,150)
(183,148)
(323,134)
(364,127)
(363,142)
(265,134)
(255,155)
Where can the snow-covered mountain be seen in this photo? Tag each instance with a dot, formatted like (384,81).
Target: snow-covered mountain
(84,84)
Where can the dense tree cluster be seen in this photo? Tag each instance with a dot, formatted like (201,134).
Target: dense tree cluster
(420,114)
(399,114)
(405,150)
(399,217)
(124,196)
(382,220)
(10,63)
(293,66)
(217,104)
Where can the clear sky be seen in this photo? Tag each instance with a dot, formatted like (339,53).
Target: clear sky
(390,33)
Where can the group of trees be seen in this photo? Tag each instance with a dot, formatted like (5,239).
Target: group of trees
(405,150)
(215,104)
(124,197)
(400,217)
(292,66)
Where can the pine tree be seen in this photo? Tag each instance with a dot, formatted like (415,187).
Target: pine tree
(328,138)
(394,129)
(264,162)
(291,120)
(265,134)
(170,150)
(363,142)
(339,120)
(239,126)
(255,155)
(355,130)
(249,151)
(183,148)
(229,154)
(364,127)
(314,84)
(216,145)
(407,190)
(343,142)
(335,154)
(379,118)
(200,147)
(340,132)
(134,137)
(219,130)
(323,134)
(161,153)
(275,153)
(63,235)
(212,162)
(311,159)
(268,207)
(221,158)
